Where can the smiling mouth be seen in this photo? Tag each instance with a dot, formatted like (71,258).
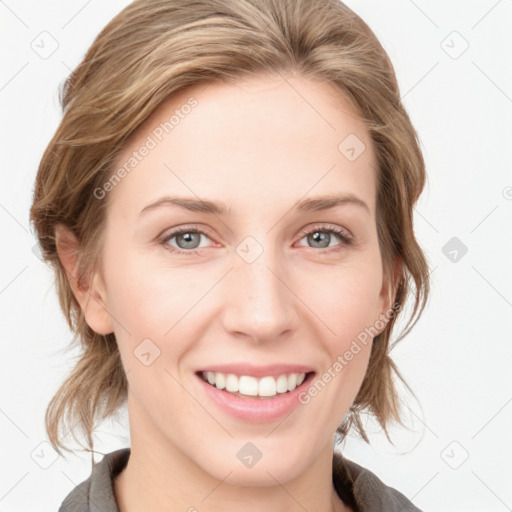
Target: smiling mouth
(246,386)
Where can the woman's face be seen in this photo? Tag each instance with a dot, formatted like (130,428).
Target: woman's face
(243,290)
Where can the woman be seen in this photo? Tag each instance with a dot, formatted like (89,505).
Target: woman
(227,204)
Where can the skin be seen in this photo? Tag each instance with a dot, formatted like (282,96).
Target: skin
(259,146)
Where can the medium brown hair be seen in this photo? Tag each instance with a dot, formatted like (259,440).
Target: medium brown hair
(148,52)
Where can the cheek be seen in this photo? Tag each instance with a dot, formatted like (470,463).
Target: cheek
(346,301)
(345,298)
(146,298)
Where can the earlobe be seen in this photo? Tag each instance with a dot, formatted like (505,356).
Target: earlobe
(89,290)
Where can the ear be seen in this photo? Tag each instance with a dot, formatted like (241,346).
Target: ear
(388,292)
(90,295)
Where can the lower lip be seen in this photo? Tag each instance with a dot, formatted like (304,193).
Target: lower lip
(256,410)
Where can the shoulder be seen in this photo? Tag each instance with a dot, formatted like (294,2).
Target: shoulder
(364,491)
(97,492)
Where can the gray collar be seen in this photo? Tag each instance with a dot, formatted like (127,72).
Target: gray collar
(356,486)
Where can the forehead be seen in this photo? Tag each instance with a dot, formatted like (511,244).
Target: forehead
(266,137)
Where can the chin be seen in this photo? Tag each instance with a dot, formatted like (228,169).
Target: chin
(279,465)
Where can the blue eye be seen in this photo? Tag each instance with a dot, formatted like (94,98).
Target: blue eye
(190,238)
(188,235)
(318,235)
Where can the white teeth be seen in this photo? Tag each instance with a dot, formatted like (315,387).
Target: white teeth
(220,380)
(231,383)
(247,385)
(292,381)
(267,386)
(282,384)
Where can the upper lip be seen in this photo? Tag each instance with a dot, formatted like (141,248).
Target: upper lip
(252,370)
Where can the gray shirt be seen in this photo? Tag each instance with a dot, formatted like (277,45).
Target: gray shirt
(355,485)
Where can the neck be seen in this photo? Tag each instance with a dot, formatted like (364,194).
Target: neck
(156,479)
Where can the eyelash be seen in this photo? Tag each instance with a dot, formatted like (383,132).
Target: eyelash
(345,238)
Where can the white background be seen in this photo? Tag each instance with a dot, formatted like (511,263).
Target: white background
(457,359)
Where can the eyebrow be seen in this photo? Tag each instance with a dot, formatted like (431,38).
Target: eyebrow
(219,208)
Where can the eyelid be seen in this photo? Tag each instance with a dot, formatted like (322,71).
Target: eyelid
(340,231)
(183,229)
(344,234)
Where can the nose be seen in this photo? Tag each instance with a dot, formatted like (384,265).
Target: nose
(259,303)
